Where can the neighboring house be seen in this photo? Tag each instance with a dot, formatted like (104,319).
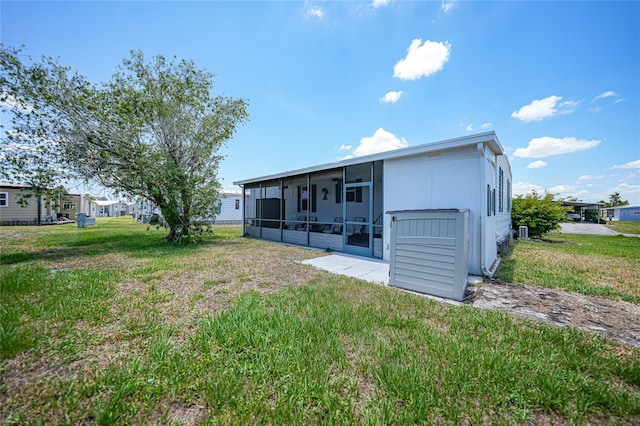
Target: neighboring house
(342,206)
(109,208)
(230,208)
(35,210)
(68,206)
(623,213)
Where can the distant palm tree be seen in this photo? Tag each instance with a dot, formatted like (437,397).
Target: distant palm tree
(615,200)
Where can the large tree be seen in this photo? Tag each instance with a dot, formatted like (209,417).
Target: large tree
(153,130)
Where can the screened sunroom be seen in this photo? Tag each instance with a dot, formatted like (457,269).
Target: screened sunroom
(338,209)
(343,206)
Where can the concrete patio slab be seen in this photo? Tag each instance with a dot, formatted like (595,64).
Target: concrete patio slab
(372,270)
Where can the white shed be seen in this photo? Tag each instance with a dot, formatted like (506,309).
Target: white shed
(341,206)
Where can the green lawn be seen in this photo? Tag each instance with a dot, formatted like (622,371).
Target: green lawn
(110,325)
(625,227)
(588,264)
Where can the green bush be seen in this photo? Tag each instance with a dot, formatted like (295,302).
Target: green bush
(538,212)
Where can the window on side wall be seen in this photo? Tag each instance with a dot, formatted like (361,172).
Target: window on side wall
(488,200)
(68,206)
(500,190)
(4,199)
(237,204)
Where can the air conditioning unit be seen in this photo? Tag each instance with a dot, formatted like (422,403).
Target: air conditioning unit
(523,233)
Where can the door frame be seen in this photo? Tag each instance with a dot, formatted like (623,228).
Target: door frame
(352,249)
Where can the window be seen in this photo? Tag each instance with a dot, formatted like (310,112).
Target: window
(4,199)
(488,200)
(237,204)
(508,195)
(493,201)
(500,190)
(68,206)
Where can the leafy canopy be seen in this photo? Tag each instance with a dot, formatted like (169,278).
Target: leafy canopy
(540,213)
(153,131)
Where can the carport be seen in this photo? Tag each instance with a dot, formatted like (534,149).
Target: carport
(580,210)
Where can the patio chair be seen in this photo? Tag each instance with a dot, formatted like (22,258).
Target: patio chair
(355,229)
(336,228)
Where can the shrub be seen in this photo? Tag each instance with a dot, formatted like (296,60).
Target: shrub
(538,212)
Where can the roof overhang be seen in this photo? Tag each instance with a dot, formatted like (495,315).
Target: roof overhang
(490,139)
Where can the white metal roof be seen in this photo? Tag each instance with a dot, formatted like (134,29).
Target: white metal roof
(490,138)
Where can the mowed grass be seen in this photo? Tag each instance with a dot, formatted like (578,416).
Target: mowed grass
(625,227)
(590,264)
(109,325)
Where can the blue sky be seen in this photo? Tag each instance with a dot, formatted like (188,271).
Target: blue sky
(559,82)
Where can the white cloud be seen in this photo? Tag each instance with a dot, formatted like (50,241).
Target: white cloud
(547,146)
(486,125)
(523,188)
(380,3)
(315,12)
(470,128)
(536,164)
(391,97)
(590,177)
(447,5)
(562,189)
(344,147)
(422,60)
(543,108)
(627,191)
(380,141)
(630,165)
(607,94)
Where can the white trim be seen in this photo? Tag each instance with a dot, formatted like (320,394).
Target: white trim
(488,138)
(6,199)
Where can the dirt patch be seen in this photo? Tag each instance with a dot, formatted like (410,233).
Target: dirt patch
(617,320)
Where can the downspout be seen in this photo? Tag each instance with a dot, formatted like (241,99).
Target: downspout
(483,211)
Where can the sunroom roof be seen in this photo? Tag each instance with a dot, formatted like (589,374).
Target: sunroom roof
(490,138)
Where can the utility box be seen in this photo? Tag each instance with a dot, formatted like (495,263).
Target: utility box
(429,251)
(82,220)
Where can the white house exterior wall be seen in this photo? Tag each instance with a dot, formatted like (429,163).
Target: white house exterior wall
(488,213)
(436,182)
(228,212)
(503,225)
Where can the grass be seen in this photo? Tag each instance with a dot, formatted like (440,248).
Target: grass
(625,227)
(589,264)
(125,329)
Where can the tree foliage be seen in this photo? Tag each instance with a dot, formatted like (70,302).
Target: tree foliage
(153,131)
(540,213)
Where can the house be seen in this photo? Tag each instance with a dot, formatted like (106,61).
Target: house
(107,208)
(230,207)
(20,206)
(623,213)
(342,206)
(68,206)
